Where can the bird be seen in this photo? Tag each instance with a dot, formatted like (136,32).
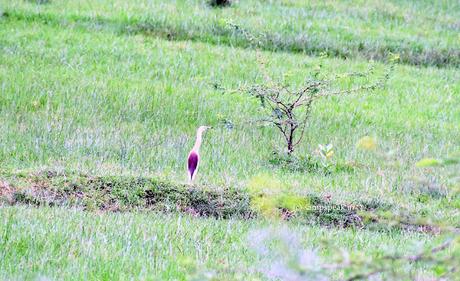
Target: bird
(194,156)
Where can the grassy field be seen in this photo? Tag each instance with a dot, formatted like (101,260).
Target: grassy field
(116,88)
(422,32)
(75,245)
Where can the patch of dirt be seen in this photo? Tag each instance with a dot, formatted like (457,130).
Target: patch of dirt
(117,194)
(6,191)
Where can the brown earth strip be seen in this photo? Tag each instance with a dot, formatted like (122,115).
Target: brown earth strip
(118,194)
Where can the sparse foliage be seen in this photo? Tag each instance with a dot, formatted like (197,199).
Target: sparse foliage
(295,262)
(288,107)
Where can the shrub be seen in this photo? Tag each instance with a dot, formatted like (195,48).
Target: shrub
(288,107)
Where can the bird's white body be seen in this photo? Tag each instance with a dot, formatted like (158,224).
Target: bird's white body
(194,155)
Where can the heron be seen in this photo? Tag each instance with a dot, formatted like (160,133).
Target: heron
(194,155)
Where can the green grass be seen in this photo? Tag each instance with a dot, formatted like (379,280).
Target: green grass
(101,89)
(99,102)
(423,32)
(68,244)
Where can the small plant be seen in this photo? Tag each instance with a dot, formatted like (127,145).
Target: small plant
(326,152)
(288,107)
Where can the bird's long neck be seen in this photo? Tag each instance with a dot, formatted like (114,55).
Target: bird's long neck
(199,139)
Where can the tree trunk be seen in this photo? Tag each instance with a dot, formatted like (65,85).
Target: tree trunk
(290,142)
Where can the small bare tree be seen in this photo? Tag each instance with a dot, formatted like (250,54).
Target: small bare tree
(288,109)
